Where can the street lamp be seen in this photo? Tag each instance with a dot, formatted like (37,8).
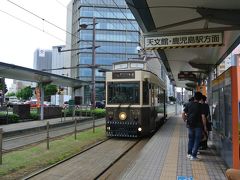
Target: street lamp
(93,65)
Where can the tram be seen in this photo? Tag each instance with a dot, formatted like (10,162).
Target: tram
(135,100)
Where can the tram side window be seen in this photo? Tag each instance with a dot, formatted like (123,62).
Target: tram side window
(145,93)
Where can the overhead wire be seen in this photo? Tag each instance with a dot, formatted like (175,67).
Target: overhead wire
(33,26)
(96,10)
(43,19)
(54,25)
(124,15)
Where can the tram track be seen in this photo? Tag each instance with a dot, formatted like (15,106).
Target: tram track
(18,142)
(116,160)
(60,162)
(91,163)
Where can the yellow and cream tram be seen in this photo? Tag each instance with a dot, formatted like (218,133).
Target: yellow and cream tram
(135,100)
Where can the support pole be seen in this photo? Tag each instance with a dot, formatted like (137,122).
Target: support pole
(42,102)
(94,65)
(1,141)
(175,92)
(47,135)
(75,129)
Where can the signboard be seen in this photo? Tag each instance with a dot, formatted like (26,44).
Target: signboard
(186,75)
(191,40)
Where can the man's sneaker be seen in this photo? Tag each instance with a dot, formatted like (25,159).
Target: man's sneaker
(194,159)
(189,156)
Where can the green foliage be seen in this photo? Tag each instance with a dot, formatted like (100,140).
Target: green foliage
(10,118)
(25,93)
(3,85)
(17,163)
(10,94)
(49,90)
(34,116)
(98,113)
(13,118)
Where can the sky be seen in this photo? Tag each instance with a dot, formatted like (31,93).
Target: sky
(19,40)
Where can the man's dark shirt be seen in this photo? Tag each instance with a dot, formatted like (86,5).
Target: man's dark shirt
(194,113)
(206,110)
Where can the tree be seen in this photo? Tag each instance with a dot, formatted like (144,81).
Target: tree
(171,98)
(3,86)
(25,93)
(49,90)
(10,94)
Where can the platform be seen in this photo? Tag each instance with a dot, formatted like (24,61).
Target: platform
(165,157)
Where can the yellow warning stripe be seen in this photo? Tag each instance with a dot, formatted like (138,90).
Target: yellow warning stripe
(177,47)
(169,170)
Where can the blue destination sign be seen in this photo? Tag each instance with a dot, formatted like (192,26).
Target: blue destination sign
(184,178)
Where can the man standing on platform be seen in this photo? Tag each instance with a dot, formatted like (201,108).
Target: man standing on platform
(194,115)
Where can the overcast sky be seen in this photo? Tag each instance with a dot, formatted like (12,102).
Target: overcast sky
(19,40)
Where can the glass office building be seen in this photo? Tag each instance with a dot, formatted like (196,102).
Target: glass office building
(117,36)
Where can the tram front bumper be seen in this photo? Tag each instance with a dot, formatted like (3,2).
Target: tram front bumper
(123,129)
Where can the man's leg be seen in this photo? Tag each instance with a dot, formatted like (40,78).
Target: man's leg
(190,140)
(197,140)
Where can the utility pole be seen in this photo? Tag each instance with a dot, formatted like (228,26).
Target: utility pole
(94,65)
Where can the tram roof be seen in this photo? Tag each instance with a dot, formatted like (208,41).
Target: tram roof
(12,71)
(174,17)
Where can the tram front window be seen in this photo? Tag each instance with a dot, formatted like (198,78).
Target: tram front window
(123,93)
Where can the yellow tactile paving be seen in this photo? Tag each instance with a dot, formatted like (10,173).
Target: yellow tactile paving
(169,170)
(199,170)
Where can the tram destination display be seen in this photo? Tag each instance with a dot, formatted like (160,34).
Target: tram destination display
(123,75)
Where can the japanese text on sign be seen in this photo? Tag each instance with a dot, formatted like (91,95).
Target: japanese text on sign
(184,40)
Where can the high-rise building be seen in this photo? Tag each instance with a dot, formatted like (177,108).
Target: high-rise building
(18,85)
(42,59)
(60,62)
(117,36)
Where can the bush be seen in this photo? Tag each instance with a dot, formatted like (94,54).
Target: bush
(10,118)
(98,113)
(34,116)
(13,118)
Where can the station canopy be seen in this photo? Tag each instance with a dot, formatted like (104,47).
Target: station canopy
(191,37)
(26,74)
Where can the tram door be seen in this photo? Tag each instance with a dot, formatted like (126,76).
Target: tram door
(152,108)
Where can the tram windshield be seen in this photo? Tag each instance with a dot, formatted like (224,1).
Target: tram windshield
(123,93)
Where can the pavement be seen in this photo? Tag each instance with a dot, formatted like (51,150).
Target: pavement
(165,157)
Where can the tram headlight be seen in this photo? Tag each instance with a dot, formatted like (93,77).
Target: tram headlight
(139,129)
(122,116)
